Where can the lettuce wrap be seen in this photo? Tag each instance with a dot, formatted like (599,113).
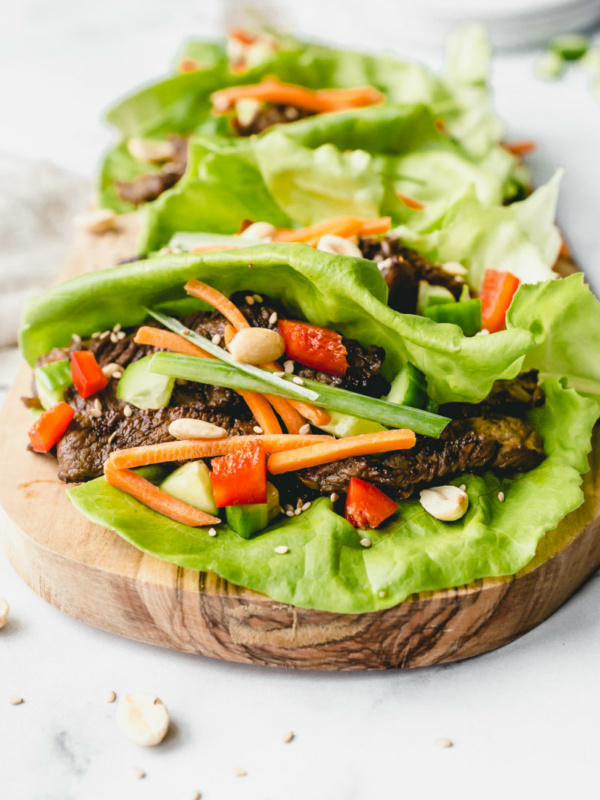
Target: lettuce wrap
(326,567)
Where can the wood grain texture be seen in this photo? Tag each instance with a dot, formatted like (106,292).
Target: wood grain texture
(94,575)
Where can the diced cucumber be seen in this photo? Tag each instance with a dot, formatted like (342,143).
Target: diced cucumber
(570,46)
(466,315)
(144,389)
(549,66)
(342,425)
(187,240)
(432,295)
(51,382)
(409,387)
(191,484)
(248,520)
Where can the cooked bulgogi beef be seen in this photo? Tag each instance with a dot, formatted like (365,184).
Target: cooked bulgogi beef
(149,187)
(403,268)
(94,434)
(473,445)
(270,115)
(508,397)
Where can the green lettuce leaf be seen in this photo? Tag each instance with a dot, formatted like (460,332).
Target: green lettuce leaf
(328,569)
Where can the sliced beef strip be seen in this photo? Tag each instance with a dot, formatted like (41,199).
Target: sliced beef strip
(271,115)
(150,186)
(471,445)
(508,397)
(403,268)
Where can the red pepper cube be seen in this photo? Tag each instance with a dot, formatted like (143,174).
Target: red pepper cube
(366,505)
(496,294)
(87,374)
(240,478)
(313,346)
(49,427)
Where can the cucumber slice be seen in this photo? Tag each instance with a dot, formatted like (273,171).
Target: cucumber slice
(144,389)
(191,484)
(51,382)
(549,66)
(342,425)
(248,520)
(409,388)
(570,47)
(432,295)
(466,315)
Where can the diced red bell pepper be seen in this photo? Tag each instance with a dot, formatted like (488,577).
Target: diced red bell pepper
(313,346)
(87,375)
(241,477)
(496,294)
(366,505)
(49,427)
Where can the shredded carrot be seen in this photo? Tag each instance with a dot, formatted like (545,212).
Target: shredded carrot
(520,148)
(317,416)
(214,298)
(340,226)
(242,36)
(155,498)
(373,227)
(337,449)
(262,412)
(167,340)
(207,448)
(189,65)
(271,90)
(292,420)
(411,202)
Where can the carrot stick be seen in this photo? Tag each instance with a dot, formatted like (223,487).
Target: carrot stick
(520,148)
(271,90)
(318,416)
(155,498)
(266,418)
(262,412)
(411,202)
(167,340)
(208,448)
(373,227)
(326,452)
(214,298)
(341,226)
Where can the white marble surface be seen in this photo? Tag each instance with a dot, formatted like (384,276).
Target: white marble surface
(523,719)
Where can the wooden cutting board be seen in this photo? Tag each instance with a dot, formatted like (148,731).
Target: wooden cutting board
(94,575)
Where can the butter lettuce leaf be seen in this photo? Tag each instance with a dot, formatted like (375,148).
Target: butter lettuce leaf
(327,568)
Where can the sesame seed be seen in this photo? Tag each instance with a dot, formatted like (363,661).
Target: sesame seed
(279,374)
(287,737)
(257,429)
(121,335)
(463,487)
(281,549)
(239,773)
(250,300)
(299,503)
(273,318)
(104,335)
(382,593)
(334,497)
(112,437)
(288,367)
(216,339)
(117,327)
(282,509)
(15,700)
(97,405)
(111,697)
(298,511)
(444,742)
(289,507)
(258,298)
(304,429)
(96,335)
(365,542)
(196,796)
(95,412)
(212,532)
(501,496)
(127,411)
(76,339)
(298,380)
(306,505)
(113,338)
(139,773)
(482,332)
(290,513)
